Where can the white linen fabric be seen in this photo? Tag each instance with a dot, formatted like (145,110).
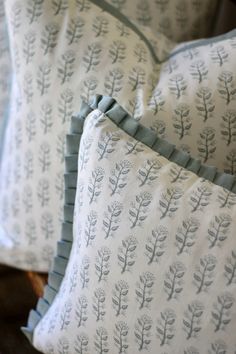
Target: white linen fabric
(152,265)
(63,52)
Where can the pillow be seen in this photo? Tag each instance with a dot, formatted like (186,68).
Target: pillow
(61,52)
(5,68)
(194,102)
(147,257)
(178,20)
(80,49)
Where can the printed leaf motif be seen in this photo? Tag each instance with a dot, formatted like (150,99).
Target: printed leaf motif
(28,165)
(226,198)
(46,117)
(102,263)
(133,147)
(200,198)
(65,315)
(81,343)
(177,85)
(159,127)
(111,219)
(178,174)
(182,123)
(120,297)
(135,108)
(44,157)
(154,248)
(198,70)
(170,66)
(28,87)
(61,144)
(101,340)
(30,231)
(142,332)
(230,269)
(165,326)
(34,10)
(121,337)
(49,38)
(47,227)
(75,30)
(218,347)
(100,26)
(204,273)
(117,51)
(65,105)
(122,29)
(106,144)
(84,272)
(220,313)
(192,350)
(228,126)
(218,230)
(73,277)
(231,162)
(186,234)
(181,14)
(30,126)
(156,102)
(92,56)
(29,46)
(169,201)
(119,175)
(66,64)
(114,82)
(126,253)
(63,346)
(43,192)
(89,87)
(136,77)
(81,311)
(144,289)
(148,172)
(143,13)
(85,145)
(204,103)
(83,5)
(192,319)
(174,280)
(207,143)
(162,4)
(139,209)
(140,53)
(43,79)
(219,55)
(99,304)
(95,184)
(226,86)
(59,6)
(90,228)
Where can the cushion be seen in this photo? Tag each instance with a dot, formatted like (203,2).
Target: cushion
(63,52)
(5,70)
(178,20)
(59,54)
(147,257)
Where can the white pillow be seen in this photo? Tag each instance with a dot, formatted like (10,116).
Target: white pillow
(153,258)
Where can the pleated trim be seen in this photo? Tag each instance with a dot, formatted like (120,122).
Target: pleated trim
(124,121)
